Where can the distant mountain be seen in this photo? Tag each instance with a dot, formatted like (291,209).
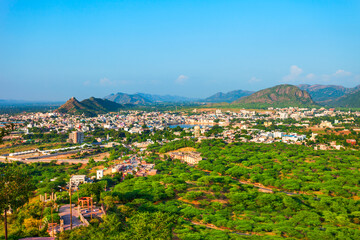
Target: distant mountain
(166,98)
(89,107)
(12,102)
(26,104)
(124,98)
(350,100)
(227,97)
(8,102)
(279,96)
(325,93)
(145,99)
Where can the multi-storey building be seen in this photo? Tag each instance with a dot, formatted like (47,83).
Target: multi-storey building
(76,137)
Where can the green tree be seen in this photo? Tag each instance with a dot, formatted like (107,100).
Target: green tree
(6,131)
(92,189)
(15,189)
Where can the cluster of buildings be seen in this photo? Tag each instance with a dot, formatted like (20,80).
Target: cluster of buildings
(134,166)
(276,136)
(199,123)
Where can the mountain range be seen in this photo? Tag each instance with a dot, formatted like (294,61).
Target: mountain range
(145,99)
(284,95)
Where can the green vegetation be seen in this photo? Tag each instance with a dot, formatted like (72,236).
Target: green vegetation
(190,203)
(286,167)
(15,190)
(4,131)
(311,195)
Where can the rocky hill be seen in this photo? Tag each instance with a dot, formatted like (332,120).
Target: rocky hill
(89,107)
(279,96)
(227,97)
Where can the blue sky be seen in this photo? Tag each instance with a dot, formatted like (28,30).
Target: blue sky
(52,50)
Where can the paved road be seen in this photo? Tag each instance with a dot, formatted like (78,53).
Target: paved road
(64,213)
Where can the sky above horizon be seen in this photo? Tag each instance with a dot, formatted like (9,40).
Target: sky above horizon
(53,50)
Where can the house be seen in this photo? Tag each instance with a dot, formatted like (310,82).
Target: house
(351,141)
(188,157)
(76,180)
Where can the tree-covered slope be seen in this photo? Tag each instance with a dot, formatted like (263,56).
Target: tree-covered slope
(351,100)
(89,107)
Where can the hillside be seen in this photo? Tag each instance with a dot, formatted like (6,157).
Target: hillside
(227,97)
(89,107)
(351,100)
(324,93)
(101,105)
(278,96)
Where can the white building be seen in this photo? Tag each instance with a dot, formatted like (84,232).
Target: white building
(278,134)
(283,115)
(76,180)
(326,124)
(99,174)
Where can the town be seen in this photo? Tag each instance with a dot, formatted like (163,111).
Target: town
(288,125)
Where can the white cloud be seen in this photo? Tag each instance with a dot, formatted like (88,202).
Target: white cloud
(341,73)
(310,76)
(295,72)
(339,77)
(254,80)
(106,82)
(181,79)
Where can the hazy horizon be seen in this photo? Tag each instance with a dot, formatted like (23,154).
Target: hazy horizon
(52,50)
